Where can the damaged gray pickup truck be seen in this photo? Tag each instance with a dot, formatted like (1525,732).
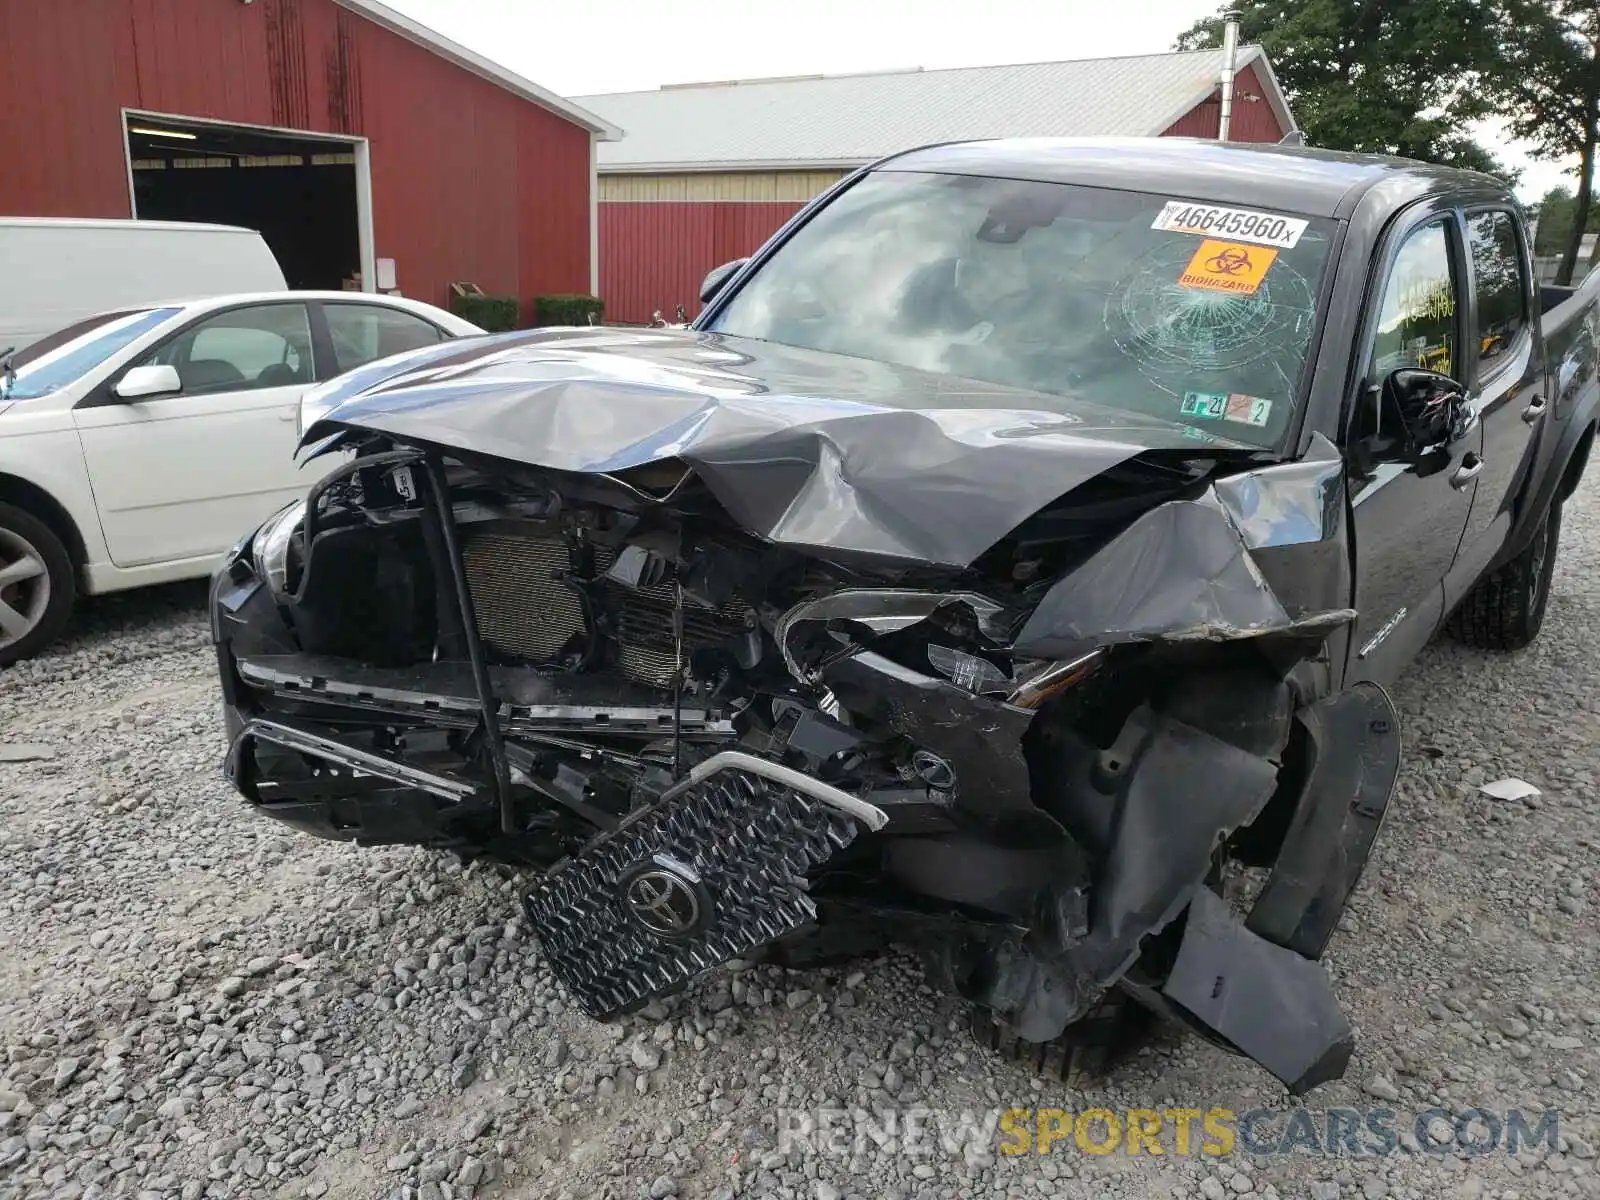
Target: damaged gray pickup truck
(1007,563)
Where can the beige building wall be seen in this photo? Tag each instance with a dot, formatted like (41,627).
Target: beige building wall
(712,186)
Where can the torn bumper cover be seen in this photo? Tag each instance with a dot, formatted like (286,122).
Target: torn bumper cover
(714,742)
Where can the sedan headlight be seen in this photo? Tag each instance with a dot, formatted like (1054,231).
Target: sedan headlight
(272,544)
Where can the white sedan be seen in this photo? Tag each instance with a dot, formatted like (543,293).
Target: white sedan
(137,445)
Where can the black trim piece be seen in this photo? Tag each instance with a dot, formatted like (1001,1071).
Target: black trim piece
(324,362)
(318,489)
(488,706)
(303,741)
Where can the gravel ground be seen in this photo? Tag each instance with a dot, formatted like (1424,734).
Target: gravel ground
(195,1002)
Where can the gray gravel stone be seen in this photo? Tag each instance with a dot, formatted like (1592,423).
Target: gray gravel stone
(1382,1087)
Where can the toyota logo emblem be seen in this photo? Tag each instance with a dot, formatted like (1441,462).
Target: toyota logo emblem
(662,900)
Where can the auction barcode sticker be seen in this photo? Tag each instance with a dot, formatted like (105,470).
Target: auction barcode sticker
(1239,224)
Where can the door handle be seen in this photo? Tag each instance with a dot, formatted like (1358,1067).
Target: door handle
(1535,409)
(288,416)
(1469,470)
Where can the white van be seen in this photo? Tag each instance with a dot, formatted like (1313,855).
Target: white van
(56,271)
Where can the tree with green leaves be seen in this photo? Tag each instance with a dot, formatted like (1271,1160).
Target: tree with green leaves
(1402,77)
(1557,214)
(1549,92)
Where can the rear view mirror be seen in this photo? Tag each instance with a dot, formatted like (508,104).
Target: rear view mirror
(139,382)
(717,277)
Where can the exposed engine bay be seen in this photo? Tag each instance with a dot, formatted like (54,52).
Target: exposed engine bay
(1046,767)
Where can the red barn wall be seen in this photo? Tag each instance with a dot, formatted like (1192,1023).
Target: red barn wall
(654,255)
(1252,119)
(469,182)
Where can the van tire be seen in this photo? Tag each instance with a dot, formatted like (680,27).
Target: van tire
(1505,609)
(24,537)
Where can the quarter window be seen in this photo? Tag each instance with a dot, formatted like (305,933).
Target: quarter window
(364,332)
(1417,318)
(1502,302)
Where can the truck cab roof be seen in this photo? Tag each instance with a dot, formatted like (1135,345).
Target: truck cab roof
(1316,183)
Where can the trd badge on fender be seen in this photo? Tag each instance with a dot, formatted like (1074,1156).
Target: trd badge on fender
(663,898)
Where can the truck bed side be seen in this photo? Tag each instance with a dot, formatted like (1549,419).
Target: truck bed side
(1570,332)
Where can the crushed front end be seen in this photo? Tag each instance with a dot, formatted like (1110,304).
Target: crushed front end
(1040,769)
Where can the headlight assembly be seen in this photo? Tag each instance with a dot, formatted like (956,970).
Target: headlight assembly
(271,546)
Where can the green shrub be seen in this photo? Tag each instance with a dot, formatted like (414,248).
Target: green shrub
(495,314)
(567,310)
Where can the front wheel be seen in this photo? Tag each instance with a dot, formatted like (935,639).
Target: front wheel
(1090,1048)
(1505,609)
(36,584)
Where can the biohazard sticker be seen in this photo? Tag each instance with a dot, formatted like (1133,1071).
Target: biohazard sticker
(1228,267)
(1236,224)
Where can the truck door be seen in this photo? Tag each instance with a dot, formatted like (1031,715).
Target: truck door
(1506,385)
(1408,524)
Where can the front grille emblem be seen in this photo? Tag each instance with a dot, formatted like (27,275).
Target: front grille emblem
(663,899)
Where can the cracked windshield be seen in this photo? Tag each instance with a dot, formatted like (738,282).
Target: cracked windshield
(1142,303)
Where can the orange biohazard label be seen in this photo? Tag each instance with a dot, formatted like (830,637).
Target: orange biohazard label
(1228,267)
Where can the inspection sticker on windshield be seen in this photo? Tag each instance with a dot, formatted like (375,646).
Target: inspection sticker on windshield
(1228,267)
(1227,406)
(1208,406)
(1240,224)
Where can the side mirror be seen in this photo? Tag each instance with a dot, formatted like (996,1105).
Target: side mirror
(1430,408)
(158,380)
(717,277)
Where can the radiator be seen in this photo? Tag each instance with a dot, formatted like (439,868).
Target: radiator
(527,612)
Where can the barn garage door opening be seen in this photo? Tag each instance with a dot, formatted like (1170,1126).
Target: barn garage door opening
(303,194)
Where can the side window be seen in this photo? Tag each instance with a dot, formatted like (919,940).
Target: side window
(1502,302)
(268,345)
(1417,324)
(363,332)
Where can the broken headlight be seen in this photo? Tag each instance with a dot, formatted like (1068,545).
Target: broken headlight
(273,546)
(962,637)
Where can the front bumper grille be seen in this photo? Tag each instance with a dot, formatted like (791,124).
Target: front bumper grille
(742,844)
(530,609)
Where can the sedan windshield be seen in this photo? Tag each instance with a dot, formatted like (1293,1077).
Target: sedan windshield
(51,363)
(1149,304)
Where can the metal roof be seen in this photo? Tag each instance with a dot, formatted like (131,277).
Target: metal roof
(467,60)
(847,120)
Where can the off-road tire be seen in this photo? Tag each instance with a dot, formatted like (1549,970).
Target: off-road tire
(63,582)
(1505,608)
(1088,1049)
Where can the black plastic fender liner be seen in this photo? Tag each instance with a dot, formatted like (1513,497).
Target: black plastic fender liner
(1152,810)
(1270,1003)
(1354,744)
(1184,791)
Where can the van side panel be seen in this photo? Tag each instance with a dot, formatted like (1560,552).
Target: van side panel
(75,269)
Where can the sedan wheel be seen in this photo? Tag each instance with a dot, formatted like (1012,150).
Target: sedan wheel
(24,588)
(36,584)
